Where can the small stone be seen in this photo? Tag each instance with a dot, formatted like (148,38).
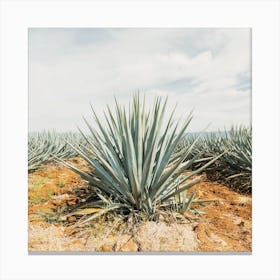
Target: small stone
(77,241)
(125,243)
(130,246)
(71,202)
(72,219)
(62,218)
(106,248)
(241,224)
(161,218)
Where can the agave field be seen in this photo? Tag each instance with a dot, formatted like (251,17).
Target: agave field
(235,166)
(43,146)
(140,176)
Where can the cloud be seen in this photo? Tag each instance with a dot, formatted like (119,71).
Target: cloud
(205,69)
(243,81)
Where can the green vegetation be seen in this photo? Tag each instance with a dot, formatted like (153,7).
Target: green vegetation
(235,166)
(61,183)
(37,195)
(44,145)
(38,183)
(38,198)
(133,157)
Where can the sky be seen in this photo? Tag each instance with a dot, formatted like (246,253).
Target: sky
(205,70)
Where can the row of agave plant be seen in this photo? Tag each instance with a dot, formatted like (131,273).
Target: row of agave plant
(42,146)
(235,166)
(136,163)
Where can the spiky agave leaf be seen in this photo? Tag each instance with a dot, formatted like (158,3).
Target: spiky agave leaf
(134,158)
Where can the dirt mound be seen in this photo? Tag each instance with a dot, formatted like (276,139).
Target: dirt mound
(161,237)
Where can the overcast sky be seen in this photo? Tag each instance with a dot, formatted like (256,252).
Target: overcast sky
(208,70)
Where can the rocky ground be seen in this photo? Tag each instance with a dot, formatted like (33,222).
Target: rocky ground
(225,226)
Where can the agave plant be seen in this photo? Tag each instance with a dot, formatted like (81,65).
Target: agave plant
(235,166)
(132,156)
(239,142)
(239,158)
